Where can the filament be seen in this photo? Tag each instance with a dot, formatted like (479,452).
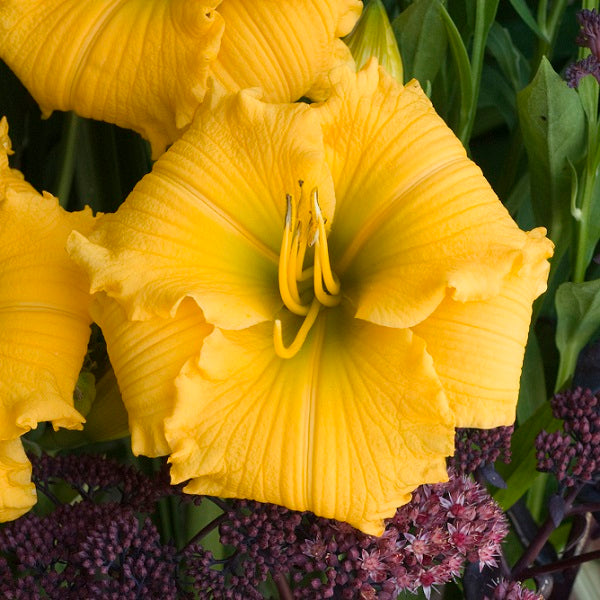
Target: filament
(320,292)
(291,350)
(332,283)
(290,297)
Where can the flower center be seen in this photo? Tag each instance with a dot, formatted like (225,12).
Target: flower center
(304,229)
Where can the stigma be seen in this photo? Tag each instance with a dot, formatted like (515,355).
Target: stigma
(304,291)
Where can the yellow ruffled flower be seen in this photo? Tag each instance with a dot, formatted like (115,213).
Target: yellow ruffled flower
(144,64)
(302,302)
(44,323)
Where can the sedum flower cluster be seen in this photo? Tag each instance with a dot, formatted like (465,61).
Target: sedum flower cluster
(86,550)
(588,37)
(104,546)
(512,590)
(572,455)
(475,448)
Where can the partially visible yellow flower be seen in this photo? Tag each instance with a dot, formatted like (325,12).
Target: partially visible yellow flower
(44,321)
(285,47)
(17,493)
(304,301)
(143,64)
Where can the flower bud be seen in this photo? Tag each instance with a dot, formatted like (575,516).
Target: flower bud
(373,36)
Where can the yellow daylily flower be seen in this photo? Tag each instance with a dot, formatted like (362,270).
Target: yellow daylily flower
(144,64)
(44,321)
(338,264)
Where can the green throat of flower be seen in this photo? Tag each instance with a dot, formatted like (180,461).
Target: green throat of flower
(303,231)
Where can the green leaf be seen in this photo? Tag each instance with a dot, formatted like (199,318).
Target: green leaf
(578,314)
(523,11)
(421,36)
(489,8)
(553,125)
(588,94)
(463,66)
(521,472)
(532,393)
(85,392)
(519,195)
(512,63)
(497,92)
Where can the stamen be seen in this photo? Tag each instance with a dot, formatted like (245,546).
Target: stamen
(302,274)
(321,293)
(290,298)
(332,283)
(294,347)
(292,267)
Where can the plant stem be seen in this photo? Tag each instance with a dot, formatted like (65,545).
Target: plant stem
(283,587)
(581,509)
(206,529)
(549,26)
(67,163)
(219,502)
(540,539)
(480,34)
(560,565)
(44,489)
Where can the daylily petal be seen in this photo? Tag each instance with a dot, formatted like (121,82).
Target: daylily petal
(146,357)
(17,493)
(414,215)
(142,64)
(478,347)
(44,320)
(282,46)
(347,428)
(208,221)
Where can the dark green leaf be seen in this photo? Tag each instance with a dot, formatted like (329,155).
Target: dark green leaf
(510,60)
(578,313)
(532,393)
(553,125)
(497,92)
(521,472)
(463,67)
(523,11)
(97,176)
(421,36)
